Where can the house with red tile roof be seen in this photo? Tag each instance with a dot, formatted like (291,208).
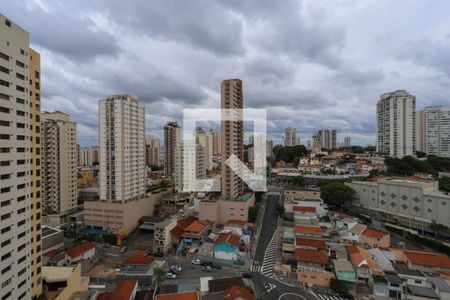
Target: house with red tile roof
(375,238)
(83,251)
(310,243)
(310,258)
(138,266)
(308,231)
(178,230)
(238,292)
(125,290)
(179,296)
(304,215)
(226,246)
(427,261)
(196,232)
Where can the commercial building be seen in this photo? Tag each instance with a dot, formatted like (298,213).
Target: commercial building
(220,210)
(408,202)
(59,170)
(396,124)
(433,131)
(20,165)
(171,143)
(232,137)
(152,147)
(122,150)
(290,137)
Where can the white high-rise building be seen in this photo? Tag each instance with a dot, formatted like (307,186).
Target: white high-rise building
(122,149)
(59,141)
(329,138)
(347,142)
(396,124)
(20,165)
(433,131)
(290,137)
(189,166)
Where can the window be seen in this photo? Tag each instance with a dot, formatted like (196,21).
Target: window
(36,75)
(5,163)
(20,113)
(5,150)
(5,176)
(4,136)
(5,230)
(4,56)
(4,70)
(4,83)
(4,110)
(20,88)
(20,76)
(5,190)
(20,64)
(7,22)
(4,96)
(4,123)
(6,243)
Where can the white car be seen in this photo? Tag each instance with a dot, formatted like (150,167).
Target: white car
(196,261)
(176,269)
(171,275)
(207,268)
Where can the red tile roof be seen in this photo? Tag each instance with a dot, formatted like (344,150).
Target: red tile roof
(428,259)
(310,256)
(304,209)
(177,231)
(52,252)
(308,229)
(80,249)
(238,292)
(196,226)
(313,243)
(123,290)
(183,223)
(373,233)
(355,255)
(228,237)
(178,296)
(237,222)
(139,258)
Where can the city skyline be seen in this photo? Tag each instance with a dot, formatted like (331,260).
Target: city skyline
(309,82)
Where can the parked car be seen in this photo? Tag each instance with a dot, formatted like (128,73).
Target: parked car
(239,262)
(123,249)
(207,268)
(196,261)
(170,275)
(176,269)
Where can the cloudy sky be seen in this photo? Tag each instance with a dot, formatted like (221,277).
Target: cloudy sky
(312,64)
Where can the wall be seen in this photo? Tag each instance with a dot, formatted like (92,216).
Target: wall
(314,277)
(75,283)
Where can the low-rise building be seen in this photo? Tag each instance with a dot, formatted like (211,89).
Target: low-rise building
(310,258)
(191,295)
(125,290)
(162,238)
(305,215)
(139,266)
(426,261)
(310,243)
(79,253)
(314,277)
(344,270)
(226,246)
(173,202)
(308,231)
(220,210)
(196,233)
(52,238)
(375,238)
(61,283)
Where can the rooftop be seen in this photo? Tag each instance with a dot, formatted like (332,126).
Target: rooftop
(56,274)
(310,256)
(139,258)
(308,229)
(428,259)
(238,292)
(374,233)
(343,265)
(314,243)
(80,249)
(197,226)
(219,285)
(304,209)
(178,296)
(229,238)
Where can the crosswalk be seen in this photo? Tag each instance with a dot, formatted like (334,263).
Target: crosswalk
(267,265)
(325,297)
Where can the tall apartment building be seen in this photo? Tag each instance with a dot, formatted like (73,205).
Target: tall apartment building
(171,143)
(206,141)
(269,148)
(329,138)
(59,170)
(317,141)
(20,165)
(184,178)
(433,131)
(217,147)
(232,139)
(152,145)
(347,142)
(122,150)
(290,137)
(84,157)
(396,124)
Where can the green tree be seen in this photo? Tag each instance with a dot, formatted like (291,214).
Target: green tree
(421,154)
(253,213)
(337,193)
(444,184)
(298,180)
(280,209)
(337,286)
(437,228)
(289,154)
(159,273)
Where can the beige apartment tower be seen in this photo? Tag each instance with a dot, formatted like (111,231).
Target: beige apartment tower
(216,139)
(171,143)
(59,145)
(20,165)
(152,150)
(232,137)
(122,149)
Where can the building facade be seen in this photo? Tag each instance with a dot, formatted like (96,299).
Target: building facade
(433,131)
(171,143)
(152,146)
(396,124)
(205,140)
(215,134)
(59,169)
(122,151)
(189,166)
(232,137)
(290,137)
(347,142)
(20,161)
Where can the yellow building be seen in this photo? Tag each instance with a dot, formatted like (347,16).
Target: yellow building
(36,193)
